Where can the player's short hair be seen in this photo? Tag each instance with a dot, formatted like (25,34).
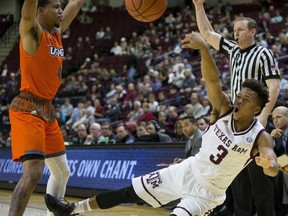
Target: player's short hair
(42,3)
(260,89)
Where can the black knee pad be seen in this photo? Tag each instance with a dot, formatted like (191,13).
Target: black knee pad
(113,198)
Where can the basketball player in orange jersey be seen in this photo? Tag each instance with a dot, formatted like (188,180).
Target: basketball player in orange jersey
(36,136)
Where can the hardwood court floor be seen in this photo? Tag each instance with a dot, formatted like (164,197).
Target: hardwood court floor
(36,207)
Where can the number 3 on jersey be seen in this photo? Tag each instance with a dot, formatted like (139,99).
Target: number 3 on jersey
(216,159)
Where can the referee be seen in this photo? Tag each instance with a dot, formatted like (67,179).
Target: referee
(247,60)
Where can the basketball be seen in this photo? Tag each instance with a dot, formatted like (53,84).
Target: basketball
(146,10)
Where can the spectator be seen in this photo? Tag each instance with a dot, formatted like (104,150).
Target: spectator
(126,108)
(201,90)
(197,106)
(191,130)
(279,135)
(188,111)
(131,74)
(81,135)
(153,104)
(174,96)
(111,93)
(4,70)
(66,109)
(99,109)
(163,102)
(108,33)
(283,81)
(189,82)
(100,33)
(179,135)
(131,93)
(178,73)
(116,49)
(75,114)
(134,115)
(113,112)
(152,128)
(93,94)
(206,107)
(107,133)
(202,123)
(162,120)
(95,135)
(141,130)
(85,18)
(171,120)
(123,135)
(80,120)
(65,134)
(147,113)
(90,119)
(59,117)
(120,92)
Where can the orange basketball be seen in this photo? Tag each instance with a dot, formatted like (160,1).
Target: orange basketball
(146,10)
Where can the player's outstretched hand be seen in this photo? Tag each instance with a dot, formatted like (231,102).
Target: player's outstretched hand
(194,40)
(264,161)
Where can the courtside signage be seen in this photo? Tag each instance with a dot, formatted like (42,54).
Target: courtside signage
(100,168)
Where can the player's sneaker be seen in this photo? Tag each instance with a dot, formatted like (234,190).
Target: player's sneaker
(57,207)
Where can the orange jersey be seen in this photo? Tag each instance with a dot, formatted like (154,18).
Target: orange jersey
(41,73)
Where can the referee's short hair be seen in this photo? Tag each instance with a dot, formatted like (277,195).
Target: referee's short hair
(251,22)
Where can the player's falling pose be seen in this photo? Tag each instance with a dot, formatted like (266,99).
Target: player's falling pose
(232,140)
(36,136)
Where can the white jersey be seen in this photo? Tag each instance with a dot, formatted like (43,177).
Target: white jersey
(225,152)
(201,181)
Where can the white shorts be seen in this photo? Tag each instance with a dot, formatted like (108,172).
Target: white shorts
(174,182)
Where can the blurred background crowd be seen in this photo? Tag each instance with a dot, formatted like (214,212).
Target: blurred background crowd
(129,82)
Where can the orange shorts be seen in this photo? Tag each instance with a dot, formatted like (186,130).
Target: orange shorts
(31,135)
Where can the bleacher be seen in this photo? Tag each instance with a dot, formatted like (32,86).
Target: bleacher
(122,25)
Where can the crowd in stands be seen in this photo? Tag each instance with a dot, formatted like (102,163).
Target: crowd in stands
(6,20)
(122,77)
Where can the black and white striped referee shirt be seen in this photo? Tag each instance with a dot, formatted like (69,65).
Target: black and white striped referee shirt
(255,62)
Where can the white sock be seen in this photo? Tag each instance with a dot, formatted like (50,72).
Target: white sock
(82,206)
(59,175)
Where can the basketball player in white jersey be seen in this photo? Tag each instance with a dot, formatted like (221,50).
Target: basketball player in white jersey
(233,139)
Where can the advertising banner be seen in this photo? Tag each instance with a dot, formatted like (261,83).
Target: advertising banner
(99,168)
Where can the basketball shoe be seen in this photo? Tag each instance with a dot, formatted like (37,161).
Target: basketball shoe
(57,207)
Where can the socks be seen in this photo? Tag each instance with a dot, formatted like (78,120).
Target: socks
(82,206)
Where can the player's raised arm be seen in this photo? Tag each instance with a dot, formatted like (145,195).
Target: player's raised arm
(29,29)
(70,12)
(209,70)
(204,26)
(28,16)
